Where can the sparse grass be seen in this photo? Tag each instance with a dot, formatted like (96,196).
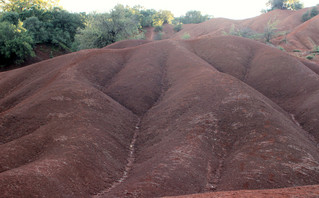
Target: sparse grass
(270,30)
(186,36)
(281,48)
(243,32)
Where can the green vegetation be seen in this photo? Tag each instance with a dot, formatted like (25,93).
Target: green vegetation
(192,16)
(178,27)
(310,14)
(123,22)
(281,48)
(104,29)
(310,57)
(27,23)
(159,36)
(21,6)
(186,36)
(15,44)
(315,49)
(24,24)
(270,30)
(158,28)
(284,5)
(243,32)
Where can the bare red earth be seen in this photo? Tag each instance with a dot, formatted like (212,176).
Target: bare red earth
(162,118)
(297,192)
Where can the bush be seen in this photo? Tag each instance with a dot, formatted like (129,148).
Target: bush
(243,32)
(10,17)
(158,29)
(281,48)
(316,49)
(186,36)
(15,44)
(296,50)
(310,57)
(36,30)
(270,30)
(310,14)
(178,27)
(159,36)
(104,29)
(193,16)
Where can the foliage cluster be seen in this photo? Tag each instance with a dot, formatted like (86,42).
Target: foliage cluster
(192,16)
(26,23)
(310,14)
(270,31)
(284,5)
(123,22)
(243,32)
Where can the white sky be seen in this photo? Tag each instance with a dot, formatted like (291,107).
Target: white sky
(232,9)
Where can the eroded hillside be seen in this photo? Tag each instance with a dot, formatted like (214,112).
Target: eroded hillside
(161,118)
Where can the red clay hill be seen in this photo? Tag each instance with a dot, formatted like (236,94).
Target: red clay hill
(162,118)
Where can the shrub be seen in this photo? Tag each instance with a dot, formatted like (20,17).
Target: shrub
(158,28)
(310,57)
(178,27)
(186,36)
(296,50)
(15,44)
(310,14)
(243,32)
(270,30)
(316,49)
(10,17)
(159,36)
(193,16)
(36,29)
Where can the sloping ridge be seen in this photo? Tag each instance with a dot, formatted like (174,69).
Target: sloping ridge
(159,119)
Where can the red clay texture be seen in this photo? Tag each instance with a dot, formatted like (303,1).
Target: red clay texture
(161,118)
(297,192)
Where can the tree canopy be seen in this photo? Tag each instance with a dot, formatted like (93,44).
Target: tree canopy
(193,16)
(21,5)
(284,4)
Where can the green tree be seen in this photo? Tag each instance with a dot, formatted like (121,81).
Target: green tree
(104,29)
(284,4)
(55,26)
(10,17)
(193,16)
(36,30)
(147,17)
(15,44)
(162,17)
(21,5)
(310,14)
(270,30)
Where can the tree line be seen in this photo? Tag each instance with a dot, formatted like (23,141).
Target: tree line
(24,24)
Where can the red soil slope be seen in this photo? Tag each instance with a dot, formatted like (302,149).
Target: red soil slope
(306,35)
(159,118)
(299,35)
(303,191)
